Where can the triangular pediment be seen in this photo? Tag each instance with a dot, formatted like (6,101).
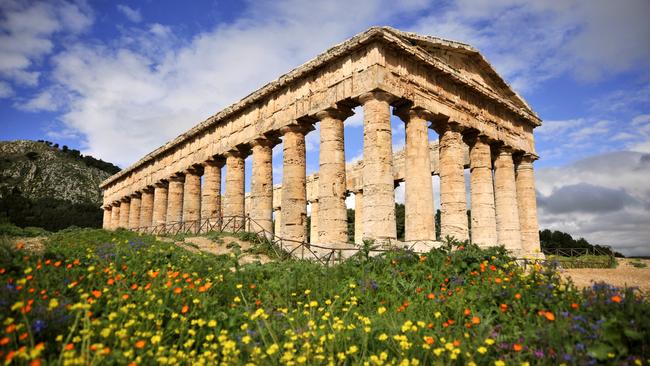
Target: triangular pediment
(467,62)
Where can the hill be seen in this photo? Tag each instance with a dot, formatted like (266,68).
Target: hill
(42,185)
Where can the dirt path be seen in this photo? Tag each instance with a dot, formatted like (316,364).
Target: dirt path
(625,274)
(226,246)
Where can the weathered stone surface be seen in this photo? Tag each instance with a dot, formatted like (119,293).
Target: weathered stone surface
(146,208)
(233,200)
(358,217)
(419,216)
(378,188)
(453,204)
(211,190)
(175,199)
(160,198)
(277,217)
(124,213)
(262,186)
(192,199)
(294,196)
(527,205)
(332,223)
(106,219)
(314,223)
(484,227)
(134,211)
(505,199)
(115,216)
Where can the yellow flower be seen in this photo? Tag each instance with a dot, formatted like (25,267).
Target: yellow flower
(212,323)
(499,363)
(437,314)
(54,303)
(381,310)
(489,341)
(307,292)
(272,349)
(481,350)
(239,285)
(382,337)
(155,339)
(352,350)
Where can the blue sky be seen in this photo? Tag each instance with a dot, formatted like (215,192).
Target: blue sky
(88,74)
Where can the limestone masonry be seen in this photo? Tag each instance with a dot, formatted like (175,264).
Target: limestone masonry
(429,83)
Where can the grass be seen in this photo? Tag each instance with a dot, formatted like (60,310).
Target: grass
(97,297)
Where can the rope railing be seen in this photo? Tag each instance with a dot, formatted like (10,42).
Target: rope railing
(291,248)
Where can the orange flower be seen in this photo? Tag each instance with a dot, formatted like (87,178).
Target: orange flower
(184,309)
(418,290)
(574,305)
(251,286)
(153,274)
(140,344)
(504,308)
(57,263)
(110,281)
(134,286)
(36,362)
(4,341)
(69,347)
(20,245)
(125,297)
(517,347)
(476,320)
(178,290)
(550,316)
(431,296)
(616,299)
(430,325)
(497,280)
(97,293)
(467,312)
(456,343)
(517,296)
(429,340)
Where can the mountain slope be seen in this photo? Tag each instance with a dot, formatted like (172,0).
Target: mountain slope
(39,171)
(43,186)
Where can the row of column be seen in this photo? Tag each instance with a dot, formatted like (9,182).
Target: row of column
(502,194)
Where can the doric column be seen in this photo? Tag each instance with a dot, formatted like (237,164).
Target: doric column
(234,199)
(505,199)
(192,199)
(358,217)
(134,211)
(294,191)
(160,194)
(106,221)
(378,186)
(419,216)
(175,199)
(484,225)
(115,215)
(277,216)
(146,208)
(453,203)
(124,212)
(314,226)
(262,186)
(527,204)
(331,213)
(211,190)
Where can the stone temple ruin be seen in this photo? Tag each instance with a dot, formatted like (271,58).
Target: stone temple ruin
(427,82)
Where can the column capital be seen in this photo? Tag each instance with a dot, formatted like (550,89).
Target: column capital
(408,111)
(524,157)
(136,194)
(194,170)
(217,161)
(338,112)
(377,95)
(473,136)
(303,128)
(265,141)
(503,150)
(148,189)
(178,177)
(125,199)
(163,183)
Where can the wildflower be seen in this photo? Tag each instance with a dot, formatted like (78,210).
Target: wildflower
(429,340)
(549,316)
(69,347)
(504,308)
(476,320)
(97,293)
(140,344)
(184,309)
(382,337)
(178,290)
(616,298)
(499,363)
(54,303)
(517,347)
(431,296)
(574,305)
(481,350)
(381,310)
(489,341)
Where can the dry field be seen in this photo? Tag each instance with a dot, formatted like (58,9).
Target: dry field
(625,274)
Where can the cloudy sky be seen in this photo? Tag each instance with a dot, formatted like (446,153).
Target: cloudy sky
(118,79)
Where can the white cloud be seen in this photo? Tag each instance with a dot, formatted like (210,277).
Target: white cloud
(130,13)
(44,101)
(530,42)
(604,198)
(5,90)
(26,31)
(147,90)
